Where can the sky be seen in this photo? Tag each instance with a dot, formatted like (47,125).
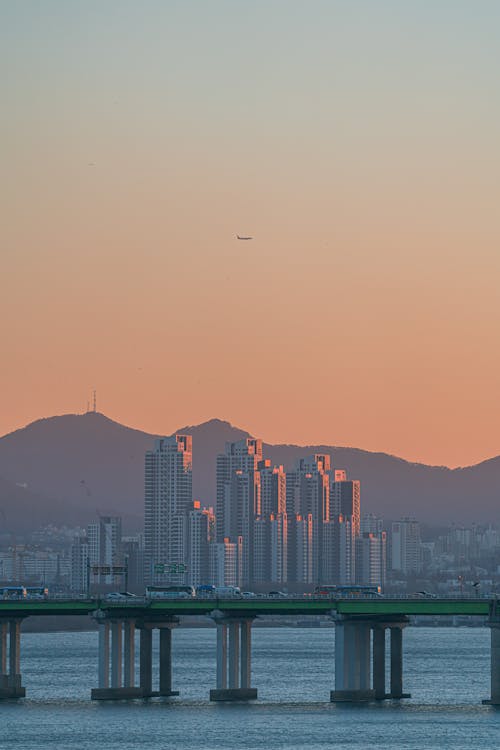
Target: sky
(355,140)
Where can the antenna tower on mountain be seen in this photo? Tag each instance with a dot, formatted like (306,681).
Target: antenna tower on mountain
(94,400)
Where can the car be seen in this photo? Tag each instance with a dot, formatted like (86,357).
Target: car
(277,595)
(115,596)
(248,595)
(224,592)
(423,595)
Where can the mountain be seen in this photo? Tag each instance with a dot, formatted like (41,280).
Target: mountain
(74,465)
(64,469)
(392,487)
(22,510)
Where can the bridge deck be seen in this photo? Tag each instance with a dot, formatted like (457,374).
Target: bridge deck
(249,607)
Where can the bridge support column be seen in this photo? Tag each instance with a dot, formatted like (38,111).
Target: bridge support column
(3,655)
(221,656)
(494,625)
(379,662)
(122,654)
(364,654)
(166,660)
(352,662)
(234,653)
(246,654)
(146,661)
(104,629)
(116,654)
(129,654)
(397,663)
(396,631)
(234,662)
(495,664)
(10,681)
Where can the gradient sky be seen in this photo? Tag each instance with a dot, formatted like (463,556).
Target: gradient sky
(356,140)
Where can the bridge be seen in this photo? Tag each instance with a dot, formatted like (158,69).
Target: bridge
(360,641)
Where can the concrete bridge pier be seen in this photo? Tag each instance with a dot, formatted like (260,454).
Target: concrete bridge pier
(379,662)
(494,625)
(495,663)
(396,632)
(117,659)
(356,652)
(129,653)
(234,666)
(396,660)
(352,662)
(10,668)
(165,658)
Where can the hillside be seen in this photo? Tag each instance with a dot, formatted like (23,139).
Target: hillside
(65,468)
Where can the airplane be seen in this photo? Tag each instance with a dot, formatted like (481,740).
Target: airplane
(243,238)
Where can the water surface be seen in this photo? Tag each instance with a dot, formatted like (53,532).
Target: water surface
(446,670)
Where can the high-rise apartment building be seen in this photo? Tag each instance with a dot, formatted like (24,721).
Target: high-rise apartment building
(308,509)
(270,551)
(339,562)
(270,563)
(201,531)
(133,559)
(79,577)
(104,538)
(168,500)
(371,559)
(239,499)
(405,546)
(371,524)
(251,512)
(301,550)
(345,501)
(225,562)
(272,488)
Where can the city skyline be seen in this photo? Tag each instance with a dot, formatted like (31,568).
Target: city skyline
(355,142)
(295,529)
(56,466)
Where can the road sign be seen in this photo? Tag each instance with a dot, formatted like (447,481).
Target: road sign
(108,570)
(170,568)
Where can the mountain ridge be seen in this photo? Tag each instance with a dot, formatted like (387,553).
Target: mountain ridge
(75,465)
(217,421)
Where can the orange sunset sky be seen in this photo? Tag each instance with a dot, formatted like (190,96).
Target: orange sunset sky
(356,141)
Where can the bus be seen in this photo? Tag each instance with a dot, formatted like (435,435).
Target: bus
(13,592)
(37,592)
(173,591)
(334,591)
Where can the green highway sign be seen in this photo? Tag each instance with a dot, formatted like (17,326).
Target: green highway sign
(170,568)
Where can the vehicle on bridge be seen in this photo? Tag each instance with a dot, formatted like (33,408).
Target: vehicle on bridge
(205,590)
(422,595)
(120,596)
(227,591)
(13,592)
(37,592)
(173,591)
(334,591)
